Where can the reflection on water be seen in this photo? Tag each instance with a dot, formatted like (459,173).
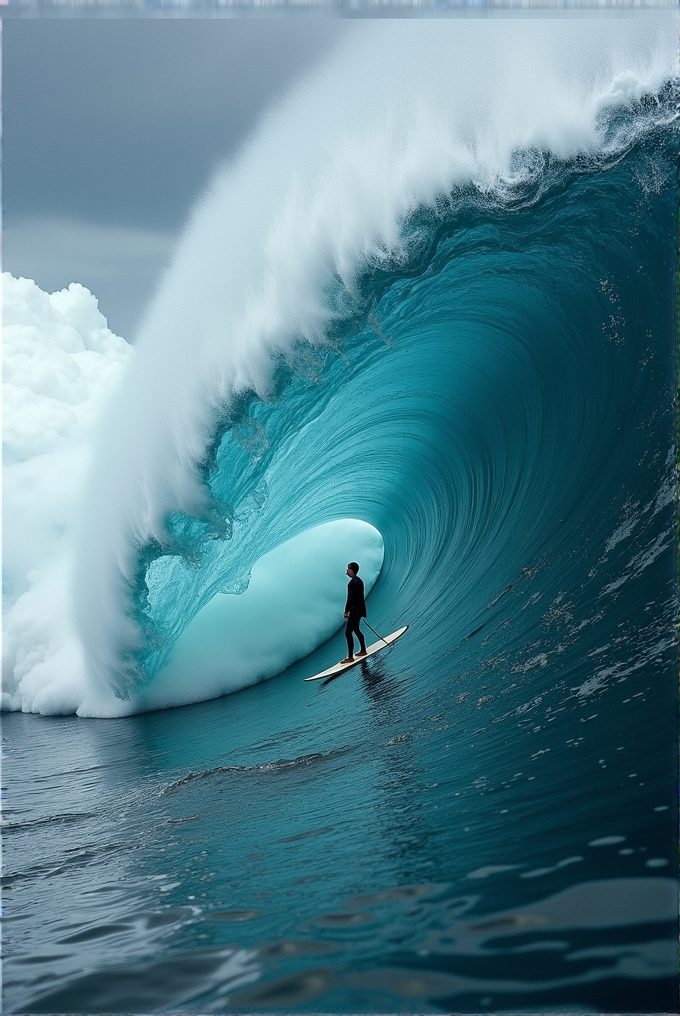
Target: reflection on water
(465,956)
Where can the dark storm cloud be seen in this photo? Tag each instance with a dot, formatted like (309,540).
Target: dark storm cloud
(113,127)
(121,121)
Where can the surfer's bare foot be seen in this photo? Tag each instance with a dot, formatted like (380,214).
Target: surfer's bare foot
(350,659)
(362,653)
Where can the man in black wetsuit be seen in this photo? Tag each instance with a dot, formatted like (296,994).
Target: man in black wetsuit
(355,609)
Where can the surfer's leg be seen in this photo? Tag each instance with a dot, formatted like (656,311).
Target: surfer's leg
(350,641)
(360,636)
(354,625)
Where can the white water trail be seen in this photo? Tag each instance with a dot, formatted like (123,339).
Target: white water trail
(400,114)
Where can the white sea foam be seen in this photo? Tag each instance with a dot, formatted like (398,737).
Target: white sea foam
(60,362)
(399,115)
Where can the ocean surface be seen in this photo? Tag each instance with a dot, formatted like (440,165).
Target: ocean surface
(483,817)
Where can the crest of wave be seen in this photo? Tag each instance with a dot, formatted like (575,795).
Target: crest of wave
(399,115)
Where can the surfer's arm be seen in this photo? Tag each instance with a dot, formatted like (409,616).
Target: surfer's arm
(348,605)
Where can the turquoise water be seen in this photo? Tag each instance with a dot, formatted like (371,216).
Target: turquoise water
(482,818)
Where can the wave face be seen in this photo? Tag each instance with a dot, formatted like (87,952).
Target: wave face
(401,304)
(458,331)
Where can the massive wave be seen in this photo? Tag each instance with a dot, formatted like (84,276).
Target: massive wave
(430,302)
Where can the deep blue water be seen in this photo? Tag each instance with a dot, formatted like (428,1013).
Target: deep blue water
(482,818)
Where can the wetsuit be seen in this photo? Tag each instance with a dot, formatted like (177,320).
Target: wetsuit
(356,608)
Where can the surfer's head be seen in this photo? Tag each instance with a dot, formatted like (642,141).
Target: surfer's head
(352,569)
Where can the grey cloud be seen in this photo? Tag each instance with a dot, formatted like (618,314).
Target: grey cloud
(123,121)
(120,265)
(112,128)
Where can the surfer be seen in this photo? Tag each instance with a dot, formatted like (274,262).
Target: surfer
(355,609)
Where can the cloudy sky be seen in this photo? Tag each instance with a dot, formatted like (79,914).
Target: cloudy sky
(113,127)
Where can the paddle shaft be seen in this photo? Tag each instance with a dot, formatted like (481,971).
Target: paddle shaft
(375,632)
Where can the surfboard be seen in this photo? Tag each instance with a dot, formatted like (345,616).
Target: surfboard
(389,640)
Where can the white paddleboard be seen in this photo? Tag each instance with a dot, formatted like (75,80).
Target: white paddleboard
(370,650)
